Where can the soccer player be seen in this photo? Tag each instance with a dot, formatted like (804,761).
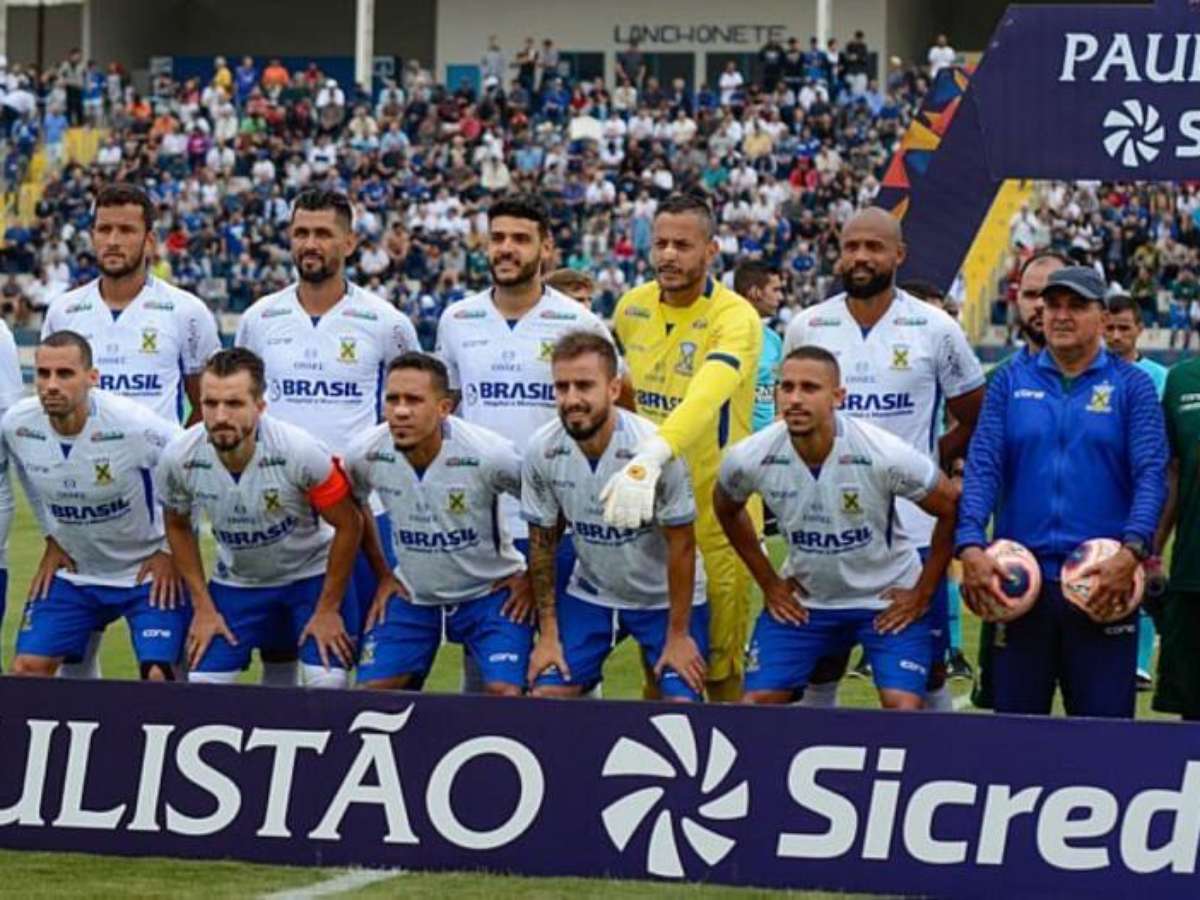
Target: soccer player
(1121,333)
(899,358)
(85,457)
(458,573)
(149,339)
(646,580)
(286,526)
(1033,275)
(325,344)
(833,481)
(496,345)
(762,286)
(1070,446)
(692,347)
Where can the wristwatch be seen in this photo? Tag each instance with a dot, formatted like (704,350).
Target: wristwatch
(1139,548)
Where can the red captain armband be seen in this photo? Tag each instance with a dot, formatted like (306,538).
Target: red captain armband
(333,490)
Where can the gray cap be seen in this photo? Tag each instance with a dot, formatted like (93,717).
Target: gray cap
(1082,280)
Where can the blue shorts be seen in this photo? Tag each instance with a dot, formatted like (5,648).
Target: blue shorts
(271,617)
(1054,645)
(408,640)
(781,657)
(589,632)
(564,561)
(938,615)
(363,576)
(60,625)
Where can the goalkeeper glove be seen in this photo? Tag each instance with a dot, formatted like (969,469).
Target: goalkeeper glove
(628,497)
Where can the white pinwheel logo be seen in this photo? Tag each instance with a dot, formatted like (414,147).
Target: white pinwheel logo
(623,816)
(1134,130)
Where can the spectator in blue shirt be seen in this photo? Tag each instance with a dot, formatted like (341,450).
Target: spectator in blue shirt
(1069,446)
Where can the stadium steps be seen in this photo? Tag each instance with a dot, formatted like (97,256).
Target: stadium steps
(988,257)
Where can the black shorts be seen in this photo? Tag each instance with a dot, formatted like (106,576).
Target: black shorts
(1178,685)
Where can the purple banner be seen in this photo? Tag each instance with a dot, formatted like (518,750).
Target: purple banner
(939,805)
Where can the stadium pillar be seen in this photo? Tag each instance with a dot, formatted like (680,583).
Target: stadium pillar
(824,21)
(364,42)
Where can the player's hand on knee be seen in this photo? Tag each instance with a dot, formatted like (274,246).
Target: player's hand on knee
(519,606)
(207,624)
(783,599)
(388,588)
(166,587)
(906,605)
(547,652)
(681,654)
(54,557)
(328,630)
(982,576)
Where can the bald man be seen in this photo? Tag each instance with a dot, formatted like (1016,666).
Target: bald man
(900,357)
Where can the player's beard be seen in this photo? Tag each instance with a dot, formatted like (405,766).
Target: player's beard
(586,430)
(227,438)
(525,274)
(1035,337)
(872,287)
(319,275)
(137,264)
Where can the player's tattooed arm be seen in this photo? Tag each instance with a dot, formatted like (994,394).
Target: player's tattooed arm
(543,551)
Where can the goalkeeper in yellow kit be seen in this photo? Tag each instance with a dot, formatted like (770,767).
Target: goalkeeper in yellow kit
(692,348)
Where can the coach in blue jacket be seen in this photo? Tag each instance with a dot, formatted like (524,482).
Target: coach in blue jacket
(1070,445)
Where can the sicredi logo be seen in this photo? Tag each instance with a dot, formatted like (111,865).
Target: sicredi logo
(622,818)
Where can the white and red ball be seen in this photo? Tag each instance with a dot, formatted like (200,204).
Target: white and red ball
(1022,586)
(1078,588)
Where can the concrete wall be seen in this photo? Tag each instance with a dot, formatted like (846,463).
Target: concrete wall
(62,32)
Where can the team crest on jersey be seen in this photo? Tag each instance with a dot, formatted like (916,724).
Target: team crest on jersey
(851,501)
(900,357)
(347,350)
(1101,401)
(149,340)
(545,351)
(103,471)
(271,500)
(687,358)
(456,500)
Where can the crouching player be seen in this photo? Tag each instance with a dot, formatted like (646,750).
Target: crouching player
(85,458)
(647,582)
(833,482)
(286,526)
(440,480)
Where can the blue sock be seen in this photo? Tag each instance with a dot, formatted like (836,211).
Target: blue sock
(1145,626)
(955,616)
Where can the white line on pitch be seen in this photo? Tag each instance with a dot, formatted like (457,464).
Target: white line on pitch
(350,880)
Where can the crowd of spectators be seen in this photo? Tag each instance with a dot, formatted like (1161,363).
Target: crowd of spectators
(786,153)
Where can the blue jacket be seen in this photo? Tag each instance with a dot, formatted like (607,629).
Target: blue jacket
(1060,462)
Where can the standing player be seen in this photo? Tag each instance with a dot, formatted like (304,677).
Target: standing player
(286,526)
(833,481)
(646,580)
(86,458)
(11,390)
(762,286)
(1121,333)
(458,573)
(692,347)
(325,343)
(1070,446)
(497,343)
(899,357)
(150,339)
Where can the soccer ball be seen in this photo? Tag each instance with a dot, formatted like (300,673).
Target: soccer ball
(1022,586)
(1077,590)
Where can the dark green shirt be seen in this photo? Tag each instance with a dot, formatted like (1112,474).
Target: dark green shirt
(1181,407)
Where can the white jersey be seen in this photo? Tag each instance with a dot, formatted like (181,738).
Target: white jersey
(145,351)
(503,369)
(12,388)
(325,375)
(93,491)
(837,521)
(622,568)
(266,529)
(897,375)
(450,543)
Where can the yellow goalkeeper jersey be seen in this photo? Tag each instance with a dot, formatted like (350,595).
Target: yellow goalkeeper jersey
(693,370)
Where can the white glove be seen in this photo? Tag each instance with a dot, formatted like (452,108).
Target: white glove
(628,497)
